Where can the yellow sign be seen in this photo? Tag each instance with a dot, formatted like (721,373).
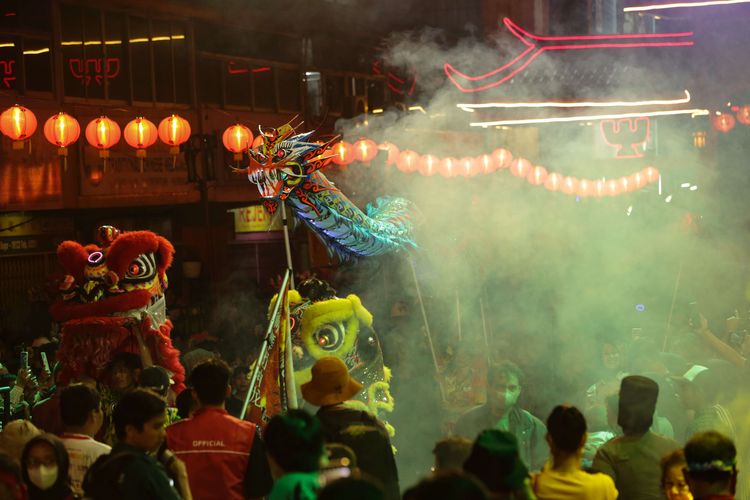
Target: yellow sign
(255,219)
(20,224)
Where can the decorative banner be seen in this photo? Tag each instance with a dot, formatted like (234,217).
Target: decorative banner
(408,161)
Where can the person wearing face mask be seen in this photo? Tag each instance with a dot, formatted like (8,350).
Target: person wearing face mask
(503,413)
(45,469)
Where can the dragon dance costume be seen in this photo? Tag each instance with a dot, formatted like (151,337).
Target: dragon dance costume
(113,301)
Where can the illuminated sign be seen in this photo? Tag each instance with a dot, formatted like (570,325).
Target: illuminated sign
(233,70)
(254,219)
(83,69)
(536,45)
(397,84)
(628,135)
(588,118)
(683,5)
(575,104)
(7,71)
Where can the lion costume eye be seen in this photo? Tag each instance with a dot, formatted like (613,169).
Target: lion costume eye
(142,268)
(330,337)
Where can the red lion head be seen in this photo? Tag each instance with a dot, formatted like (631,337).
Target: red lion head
(109,290)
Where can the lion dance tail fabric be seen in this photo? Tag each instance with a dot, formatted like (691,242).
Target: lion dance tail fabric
(112,295)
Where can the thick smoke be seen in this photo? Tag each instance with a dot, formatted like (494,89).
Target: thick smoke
(554,275)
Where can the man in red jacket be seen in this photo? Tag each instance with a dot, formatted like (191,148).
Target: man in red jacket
(225,456)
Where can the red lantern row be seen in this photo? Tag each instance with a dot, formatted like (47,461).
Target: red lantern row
(724,122)
(409,161)
(62,130)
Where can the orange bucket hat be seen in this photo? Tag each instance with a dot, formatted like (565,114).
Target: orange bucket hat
(330,383)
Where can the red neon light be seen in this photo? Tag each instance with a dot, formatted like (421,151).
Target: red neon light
(238,71)
(83,69)
(7,66)
(626,134)
(536,45)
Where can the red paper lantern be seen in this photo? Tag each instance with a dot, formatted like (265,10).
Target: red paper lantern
(140,134)
(62,130)
(173,131)
(365,150)
(102,133)
(743,115)
(600,188)
(520,167)
(502,158)
(393,152)
(554,181)
(537,176)
(637,181)
(723,122)
(428,164)
(625,184)
(613,188)
(569,185)
(487,164)
(408,161)
(237,139)
(585,188)
(18,123)
(467,167)
(651,174)
(449,167)
(343,153)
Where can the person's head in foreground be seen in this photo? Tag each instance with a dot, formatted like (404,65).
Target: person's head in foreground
(711,467)
(672,478)
(451,453)
(294,443)
(140,418)
(566,431)
(44,466)
(12,486)
(330,383)
(637,404)
(495,461)
(448,485)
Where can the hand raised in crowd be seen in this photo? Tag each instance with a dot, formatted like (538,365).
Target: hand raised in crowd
(179,472)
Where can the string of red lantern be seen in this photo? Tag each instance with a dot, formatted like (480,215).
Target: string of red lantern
(409,161)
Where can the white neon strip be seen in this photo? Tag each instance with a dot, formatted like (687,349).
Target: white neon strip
(34,52)
(693,112)
(682,5)
(581,104)
(659,185)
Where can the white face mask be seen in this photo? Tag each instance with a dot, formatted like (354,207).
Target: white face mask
(43,476)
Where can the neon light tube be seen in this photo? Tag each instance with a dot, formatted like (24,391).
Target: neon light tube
(692,112)
(580,104)
(682,5)
(536,45)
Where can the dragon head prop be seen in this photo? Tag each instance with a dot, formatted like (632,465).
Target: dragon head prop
(111,291)
(284,159)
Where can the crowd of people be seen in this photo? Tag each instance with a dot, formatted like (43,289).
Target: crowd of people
(655,423)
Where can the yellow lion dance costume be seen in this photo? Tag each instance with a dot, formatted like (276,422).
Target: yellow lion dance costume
(326,325)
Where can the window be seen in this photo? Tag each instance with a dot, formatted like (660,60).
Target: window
(9,63)
(209,80)
(264,89)
(239,83)
(289,89)
(115,65)
(110,56)
(334,93)
(140,59)
(313,94)
(37,64)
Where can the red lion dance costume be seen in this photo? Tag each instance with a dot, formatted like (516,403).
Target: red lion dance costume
(114,294)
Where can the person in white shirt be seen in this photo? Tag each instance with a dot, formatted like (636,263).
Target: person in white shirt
(82,416)
(562,477)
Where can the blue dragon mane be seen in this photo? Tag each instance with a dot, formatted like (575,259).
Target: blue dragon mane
(286,166)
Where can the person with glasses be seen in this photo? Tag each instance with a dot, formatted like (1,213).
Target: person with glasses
(45,469)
